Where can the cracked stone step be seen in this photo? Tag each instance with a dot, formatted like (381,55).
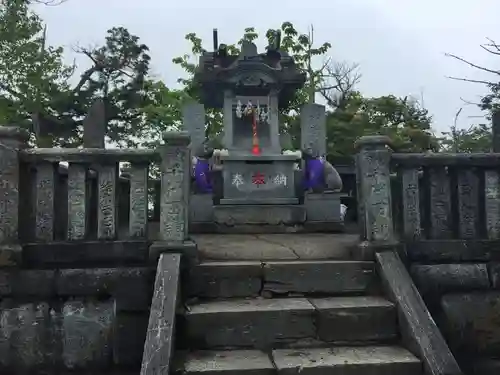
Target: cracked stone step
(348,319)
(232,362)
(263,323)
(363,360)
(234,279)
(309,276)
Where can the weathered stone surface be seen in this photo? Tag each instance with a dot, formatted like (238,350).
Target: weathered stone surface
(158,347)
(240,247)
(44,205)
(226,279)
(411,203)
(418,330)
(23,335)
(15,282)
(232,215)
(128,339)
(78,335)
(250,362)
(453,251)
(355,319)
(71,254)
(138,218)
(472,321)
(374,159)
(313,128)
(468,203)
(485,367)
(492,203)
(373,360)
(10,255)
(253,323)
(130,287)
(193,119)
(494,272)
(322,207)
(87,334)
(77,207)
(107,191)
(9,189)
(440,204)
(318,276)
(94,125)
(443,278)
(276,246)
(175,180)
(201,208)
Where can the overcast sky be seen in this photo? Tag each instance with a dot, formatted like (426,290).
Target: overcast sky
(399,44)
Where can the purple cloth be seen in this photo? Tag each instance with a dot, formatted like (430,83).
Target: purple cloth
(314,174)
(202,176)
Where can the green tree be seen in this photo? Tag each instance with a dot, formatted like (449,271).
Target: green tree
(31,73)
(402,119)
(477,138)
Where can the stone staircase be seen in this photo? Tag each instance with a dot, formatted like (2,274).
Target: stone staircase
(312,316)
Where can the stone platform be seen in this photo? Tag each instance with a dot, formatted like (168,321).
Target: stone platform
(276,246)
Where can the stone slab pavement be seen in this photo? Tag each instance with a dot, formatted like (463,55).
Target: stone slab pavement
(276,246)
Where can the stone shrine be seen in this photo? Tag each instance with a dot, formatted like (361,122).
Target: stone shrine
(260,184)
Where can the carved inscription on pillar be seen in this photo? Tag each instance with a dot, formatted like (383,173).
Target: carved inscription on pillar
(194,122)
(107,192)
(411,203)
(76,201)
(492,203)
(9,194)
(468,203)
(175,178)
(374,160)
(44,209)
(313,128)
(138,201)
(440,205)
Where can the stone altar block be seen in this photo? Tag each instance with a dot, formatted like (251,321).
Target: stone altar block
(323,207)
(259,179)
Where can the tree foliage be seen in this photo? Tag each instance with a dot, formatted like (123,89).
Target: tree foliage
(34,79)
(32,75)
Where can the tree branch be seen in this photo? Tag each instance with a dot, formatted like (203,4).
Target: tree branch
(472,64)
(471,80)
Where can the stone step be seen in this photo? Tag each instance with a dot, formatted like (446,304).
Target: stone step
(232,279)
(372,360)
(364,360)
(265,323)
(227,362)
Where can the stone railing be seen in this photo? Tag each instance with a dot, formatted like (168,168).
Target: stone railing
(442,214)
(76,284)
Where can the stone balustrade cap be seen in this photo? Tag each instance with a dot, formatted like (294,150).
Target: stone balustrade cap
(14,132)
(177,137)
(373,140)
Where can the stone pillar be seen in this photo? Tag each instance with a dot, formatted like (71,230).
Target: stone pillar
(175,193)
(373,168)
(193,118)
(495,128)
(12,139)
(313,128)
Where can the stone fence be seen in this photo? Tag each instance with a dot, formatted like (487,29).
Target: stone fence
(75,283)
(442,213)
(43,202)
